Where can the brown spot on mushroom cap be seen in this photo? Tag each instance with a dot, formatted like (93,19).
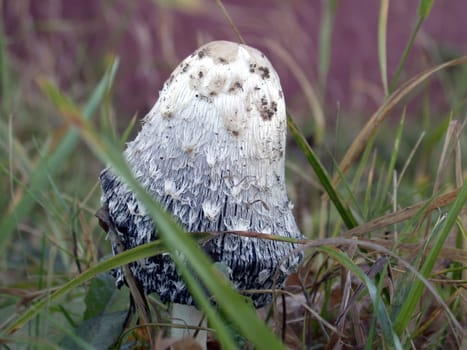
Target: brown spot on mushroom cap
(214,86)
(237,86)
(171,78)
(266,114)
(185,68)
(189,150)
(267,109)
(222,60)
(203,52)
(264,72)
(167,114)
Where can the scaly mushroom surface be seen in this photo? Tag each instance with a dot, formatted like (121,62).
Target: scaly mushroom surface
(211,151)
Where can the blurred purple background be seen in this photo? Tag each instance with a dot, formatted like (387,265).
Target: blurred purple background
(72,42)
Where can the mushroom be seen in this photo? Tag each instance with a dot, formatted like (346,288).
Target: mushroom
(211,151)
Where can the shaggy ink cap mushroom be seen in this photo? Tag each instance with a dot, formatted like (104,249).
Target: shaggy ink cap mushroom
(211,151)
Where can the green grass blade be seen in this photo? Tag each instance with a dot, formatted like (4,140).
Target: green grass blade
(140,252)
(222,331)
(127,131)
(325,34)
(51,162)
(416,290)
(178,242)
(350,195)
(4,72)
(374,319)
(321,173)
(362,166)
(382,57)
(17,154)
(390,336)
(72,114)
(373,124)
(405,55)
(424,9)
(392,164)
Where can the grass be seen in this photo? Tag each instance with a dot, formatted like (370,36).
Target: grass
(385,250)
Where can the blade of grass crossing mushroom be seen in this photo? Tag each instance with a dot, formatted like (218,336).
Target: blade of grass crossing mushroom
(72,114)
(178,242)
(140,252)
(321,173)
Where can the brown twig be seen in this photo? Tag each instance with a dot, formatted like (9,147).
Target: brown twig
(136,292)
(402,214)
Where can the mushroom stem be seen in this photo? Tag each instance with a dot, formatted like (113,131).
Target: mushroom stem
(189,316)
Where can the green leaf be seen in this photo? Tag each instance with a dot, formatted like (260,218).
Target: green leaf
(103,297)
(140,252)
(99,332)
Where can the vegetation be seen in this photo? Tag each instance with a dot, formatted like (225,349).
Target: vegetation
(386,248)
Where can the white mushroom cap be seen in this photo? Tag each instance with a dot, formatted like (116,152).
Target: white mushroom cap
(211,151)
